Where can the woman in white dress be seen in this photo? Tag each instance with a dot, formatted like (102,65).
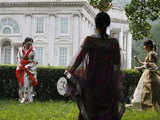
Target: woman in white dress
(26,71)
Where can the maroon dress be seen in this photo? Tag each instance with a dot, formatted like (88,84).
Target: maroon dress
(96,67)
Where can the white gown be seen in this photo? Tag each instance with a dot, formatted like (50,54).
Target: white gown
(138,92)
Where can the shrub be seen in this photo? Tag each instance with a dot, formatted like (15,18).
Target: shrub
(47,80)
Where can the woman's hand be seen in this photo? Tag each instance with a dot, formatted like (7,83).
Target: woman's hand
(68,75)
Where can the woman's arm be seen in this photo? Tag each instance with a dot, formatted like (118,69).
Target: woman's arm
(80,56)
(116,67)
(151,63)
(116,54)
(140,68)
(138,60)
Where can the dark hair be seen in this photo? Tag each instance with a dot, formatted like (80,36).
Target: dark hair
(102,21)
(154,47)
(148,43)
(23,43)
(28,39)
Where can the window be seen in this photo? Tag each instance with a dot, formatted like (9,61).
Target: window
(63,56)
(9,22)
(7,55)
(40,25)
(64,25)
(6,52)
(6,30)
(39,55)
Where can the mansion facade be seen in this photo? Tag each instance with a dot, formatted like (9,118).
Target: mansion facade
(58,28)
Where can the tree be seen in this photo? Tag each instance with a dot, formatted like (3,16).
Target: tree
(137,46)
(102,5)
(137,50)
(140,13)
(155,36)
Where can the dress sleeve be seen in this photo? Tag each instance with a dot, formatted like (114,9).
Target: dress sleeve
(80,56)
(152,60)
(116,53)
(117,81)
(153,57)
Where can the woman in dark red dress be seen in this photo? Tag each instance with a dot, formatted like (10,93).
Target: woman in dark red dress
(97,67)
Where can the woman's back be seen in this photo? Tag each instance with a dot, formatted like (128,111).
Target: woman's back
(100,87)
(100,49)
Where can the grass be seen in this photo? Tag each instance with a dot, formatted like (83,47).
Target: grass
(39,66)
(57,110)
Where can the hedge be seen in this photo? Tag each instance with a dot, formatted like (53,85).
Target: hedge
(47,79)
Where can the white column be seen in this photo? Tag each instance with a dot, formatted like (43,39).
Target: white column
(83,29)
(129,50)
(93,28)
(86,27)
(76,33)
(121,38)
(28,25)
(108,30)
(90,29)
(125,47)
(123,64)
(124,40)
(0,54)
(12,54)
(52,37)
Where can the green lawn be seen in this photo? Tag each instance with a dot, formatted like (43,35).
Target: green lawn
(57,110)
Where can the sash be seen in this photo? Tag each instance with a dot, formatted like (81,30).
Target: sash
(21,70)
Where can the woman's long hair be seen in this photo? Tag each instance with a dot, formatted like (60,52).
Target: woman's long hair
(150,44)
(154,47)
(102,21)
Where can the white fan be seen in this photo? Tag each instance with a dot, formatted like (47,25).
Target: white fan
(62,86)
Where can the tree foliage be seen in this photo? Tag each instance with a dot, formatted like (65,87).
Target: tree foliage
(103,5)
(155,36)
(137,46)
(137,50)
(140,13)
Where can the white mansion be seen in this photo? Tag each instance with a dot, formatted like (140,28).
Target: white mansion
(58,27)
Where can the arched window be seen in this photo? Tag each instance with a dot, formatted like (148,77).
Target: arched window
(6,53)
(7,30)
(9,22)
